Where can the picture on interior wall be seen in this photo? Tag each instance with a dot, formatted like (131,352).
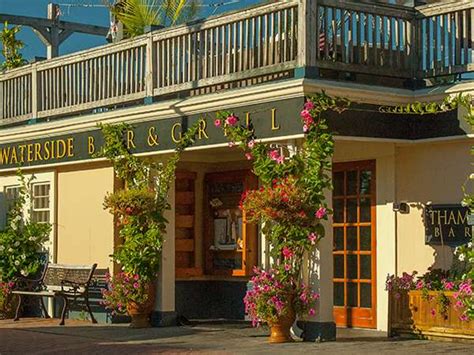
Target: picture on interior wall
(223,234)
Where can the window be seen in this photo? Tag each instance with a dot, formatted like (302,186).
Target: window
(40,209)
(11,195)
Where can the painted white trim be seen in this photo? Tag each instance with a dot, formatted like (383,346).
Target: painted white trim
(163,110)
(238,97)
(405,141)
(383,95)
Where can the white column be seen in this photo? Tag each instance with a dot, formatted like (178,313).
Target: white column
(165,295)
(319,274)
(386,233)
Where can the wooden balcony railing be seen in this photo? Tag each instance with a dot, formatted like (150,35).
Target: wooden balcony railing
(262,41)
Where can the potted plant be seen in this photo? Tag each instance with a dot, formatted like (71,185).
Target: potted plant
(139,209)
(291,206)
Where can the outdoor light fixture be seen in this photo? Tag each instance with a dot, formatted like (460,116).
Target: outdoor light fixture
(401,207)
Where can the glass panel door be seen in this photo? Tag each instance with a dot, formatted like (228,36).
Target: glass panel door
(354,244)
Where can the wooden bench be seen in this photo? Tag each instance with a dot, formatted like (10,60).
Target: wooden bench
(68,282)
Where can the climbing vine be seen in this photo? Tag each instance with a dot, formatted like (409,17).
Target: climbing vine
(140,206)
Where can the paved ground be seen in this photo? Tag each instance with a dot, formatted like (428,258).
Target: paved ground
(38,336)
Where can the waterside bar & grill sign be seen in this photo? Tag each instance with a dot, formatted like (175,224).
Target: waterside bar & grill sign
(447,225)
(278,119)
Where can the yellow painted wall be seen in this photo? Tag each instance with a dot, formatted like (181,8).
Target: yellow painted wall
(430,172)
(85,230)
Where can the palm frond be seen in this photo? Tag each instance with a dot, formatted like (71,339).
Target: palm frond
(136,15)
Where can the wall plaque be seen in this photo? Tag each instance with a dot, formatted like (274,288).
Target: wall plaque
(447,225)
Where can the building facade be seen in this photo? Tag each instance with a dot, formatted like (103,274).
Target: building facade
(261,63)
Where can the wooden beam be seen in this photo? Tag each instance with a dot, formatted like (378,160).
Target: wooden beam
(37,22)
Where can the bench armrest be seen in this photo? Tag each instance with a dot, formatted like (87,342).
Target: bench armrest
(25,284)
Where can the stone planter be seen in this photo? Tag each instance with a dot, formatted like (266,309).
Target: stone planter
(411,313)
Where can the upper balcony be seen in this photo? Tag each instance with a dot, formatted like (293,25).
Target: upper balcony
(347,40)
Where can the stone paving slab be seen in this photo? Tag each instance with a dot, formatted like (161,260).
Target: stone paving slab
(39,336)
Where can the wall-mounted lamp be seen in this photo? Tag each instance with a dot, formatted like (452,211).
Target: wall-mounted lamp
(401,207)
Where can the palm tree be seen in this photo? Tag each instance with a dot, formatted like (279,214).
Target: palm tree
(137,15)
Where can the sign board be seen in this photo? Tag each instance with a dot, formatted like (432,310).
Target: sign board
(447,225)
(270,120)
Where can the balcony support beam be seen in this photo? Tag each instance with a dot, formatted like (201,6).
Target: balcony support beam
(51,31)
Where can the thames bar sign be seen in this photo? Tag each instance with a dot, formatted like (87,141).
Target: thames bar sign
(270,120)
(447,225)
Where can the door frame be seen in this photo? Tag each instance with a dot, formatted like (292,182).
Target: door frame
(340,313)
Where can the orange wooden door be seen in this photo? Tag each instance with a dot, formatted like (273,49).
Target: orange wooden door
(354,230)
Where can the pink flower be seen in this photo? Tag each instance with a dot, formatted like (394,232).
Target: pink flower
(321,213)
(449,285)
(274,154)
(459,304)
(231,144)
(251,144)
(433,312)
(287,267)
(312,312)
(136,285)
(217,123)
(287,252)
(280,159)
(136,277)
(312,237)
(305,128)
(463,318)
(231,120)
(309,105)
(248,156)
(306,115)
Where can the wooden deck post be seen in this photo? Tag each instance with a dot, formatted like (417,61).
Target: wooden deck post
(308,44)
(34,92)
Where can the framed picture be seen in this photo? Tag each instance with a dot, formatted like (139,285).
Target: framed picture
(220,231)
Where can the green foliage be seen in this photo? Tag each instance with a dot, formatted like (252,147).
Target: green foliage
(291,203)
(11,47)
(450,103)
(132,202)
(140,206)
(22,239)
(136,15)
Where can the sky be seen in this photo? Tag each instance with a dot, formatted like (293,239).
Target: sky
(84,14)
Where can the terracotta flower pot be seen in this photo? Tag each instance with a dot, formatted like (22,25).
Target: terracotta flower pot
(141,313)
(280,330)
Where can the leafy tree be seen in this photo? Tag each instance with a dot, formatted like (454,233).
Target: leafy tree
(136,15)
(11,47)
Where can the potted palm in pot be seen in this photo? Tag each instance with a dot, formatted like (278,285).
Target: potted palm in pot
(139,209)
(290,205)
